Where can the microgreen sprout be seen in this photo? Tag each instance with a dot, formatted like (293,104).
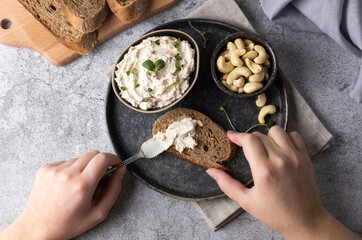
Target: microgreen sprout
(178,57)
(222,108)
(202,33)
(267,125)
(177,42)
(157,42)
(179,68)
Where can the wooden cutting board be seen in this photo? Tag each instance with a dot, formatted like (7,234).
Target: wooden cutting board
(19,28)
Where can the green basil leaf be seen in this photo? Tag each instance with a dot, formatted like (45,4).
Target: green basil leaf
(149,90)
(148,64)
(157,42)
(159,64)
(128,72)
(134,70)
(145,100)
(123,88)
(136,85)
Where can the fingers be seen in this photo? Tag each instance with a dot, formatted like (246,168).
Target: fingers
(56,164)
(231,187)
(83,161)
(68,163)
(268,143)
(297,141)
(98,166)
(109,195)
(252,146)
(281,138)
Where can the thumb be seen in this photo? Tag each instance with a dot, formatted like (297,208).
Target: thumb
(231,187)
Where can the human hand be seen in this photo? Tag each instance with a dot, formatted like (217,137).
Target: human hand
(61,204)
(284,195)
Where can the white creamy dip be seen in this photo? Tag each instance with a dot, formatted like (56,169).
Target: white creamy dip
(180,133)
(146,89)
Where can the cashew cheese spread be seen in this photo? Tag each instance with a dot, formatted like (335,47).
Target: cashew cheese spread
(180,133)
(155,84)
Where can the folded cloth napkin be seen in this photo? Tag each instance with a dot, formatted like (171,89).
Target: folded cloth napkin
(218,212)
(341,20)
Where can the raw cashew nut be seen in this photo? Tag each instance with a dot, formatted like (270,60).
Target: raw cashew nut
(268,109)
(239,43)
(224,76)
(260,59)
(266,75)
(230,87)
(261,101)
(235,57)
(226,54)
(223,66)
(240,90)
(255,68)
(251,87)
(267,63)
(249,45)
(231,47)
(239,82)
(250,54)
(236,73)
(259,77)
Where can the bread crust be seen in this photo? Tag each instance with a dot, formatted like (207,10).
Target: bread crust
(164,121)
(86,25)
(85,44)
(130,12)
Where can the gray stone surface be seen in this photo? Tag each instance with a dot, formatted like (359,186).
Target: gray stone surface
(53,113)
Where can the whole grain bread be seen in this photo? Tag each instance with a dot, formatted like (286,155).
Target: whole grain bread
(127,10)
(86,15)
(52,16)
(213,146)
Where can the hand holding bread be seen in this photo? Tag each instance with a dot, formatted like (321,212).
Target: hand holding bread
(284,195)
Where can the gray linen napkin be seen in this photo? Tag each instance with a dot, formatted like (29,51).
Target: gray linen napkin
(341,20)
(218,212)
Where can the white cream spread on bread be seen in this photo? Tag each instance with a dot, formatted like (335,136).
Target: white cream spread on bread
(155,89)
(180,133)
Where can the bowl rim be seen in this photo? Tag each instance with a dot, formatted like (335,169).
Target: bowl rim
(194,79)
(257,39)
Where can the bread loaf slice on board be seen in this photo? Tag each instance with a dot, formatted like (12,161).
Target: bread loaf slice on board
(127,10)
(213,146)
(51,15)
(86,15)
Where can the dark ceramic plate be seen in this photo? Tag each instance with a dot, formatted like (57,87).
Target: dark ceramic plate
(170,175)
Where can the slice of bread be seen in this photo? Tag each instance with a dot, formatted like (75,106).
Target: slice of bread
(86,15)
(127,10)
(213,146)
(51,15)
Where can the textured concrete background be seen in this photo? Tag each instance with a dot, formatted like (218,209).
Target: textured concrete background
(53,113)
